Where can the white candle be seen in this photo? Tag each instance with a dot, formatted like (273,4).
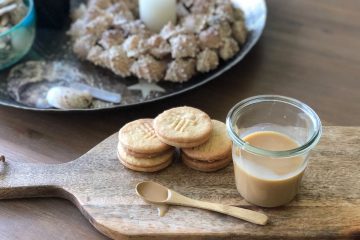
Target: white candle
(157,13)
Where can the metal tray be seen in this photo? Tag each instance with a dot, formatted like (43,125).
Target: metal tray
(53,45)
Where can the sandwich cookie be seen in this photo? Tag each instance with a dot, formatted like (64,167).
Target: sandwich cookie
(153,164)
(140,149)
(205,166)
(183,127)
(139,138)
(213,155)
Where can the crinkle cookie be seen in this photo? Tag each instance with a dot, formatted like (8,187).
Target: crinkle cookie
(180,70)
(207,60)
(119,62)
(158,47)
(135,46)
(147,67)
(110,34)
(111,38)
(228,49)
(184,45)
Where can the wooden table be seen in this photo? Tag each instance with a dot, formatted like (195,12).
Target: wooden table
(309,51)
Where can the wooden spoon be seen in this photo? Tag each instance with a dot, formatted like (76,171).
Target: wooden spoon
(158,194)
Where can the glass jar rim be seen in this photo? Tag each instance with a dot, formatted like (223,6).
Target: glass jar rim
(314,139)
(22,21)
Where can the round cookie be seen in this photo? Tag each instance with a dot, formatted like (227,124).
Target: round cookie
(183,145)
(143,155)
(183,127)
(217,147)
(144,162)
(205,166)
(145,169)
(139,136)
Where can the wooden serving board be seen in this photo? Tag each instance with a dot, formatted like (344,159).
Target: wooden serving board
(328,205)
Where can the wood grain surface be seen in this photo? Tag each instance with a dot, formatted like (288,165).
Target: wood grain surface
(309,51)
(328,205)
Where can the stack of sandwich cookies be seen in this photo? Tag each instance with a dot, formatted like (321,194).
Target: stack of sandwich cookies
(183,127)
(148,145)
(213,155)
(140,149)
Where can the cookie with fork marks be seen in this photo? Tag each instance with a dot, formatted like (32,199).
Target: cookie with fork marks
(216,148)
(183,127)
(144,164)
(139,137)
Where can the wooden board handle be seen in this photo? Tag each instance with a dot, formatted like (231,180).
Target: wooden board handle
(22,180)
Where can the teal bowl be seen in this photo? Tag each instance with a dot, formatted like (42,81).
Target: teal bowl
(17,41)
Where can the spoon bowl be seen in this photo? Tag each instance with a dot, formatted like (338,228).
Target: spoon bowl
(152,192)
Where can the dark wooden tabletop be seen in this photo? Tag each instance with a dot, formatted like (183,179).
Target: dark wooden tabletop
(310,50)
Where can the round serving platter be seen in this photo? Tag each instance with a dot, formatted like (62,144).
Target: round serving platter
(54,45)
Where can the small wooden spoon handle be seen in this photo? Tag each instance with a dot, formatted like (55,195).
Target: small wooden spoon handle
(241,213)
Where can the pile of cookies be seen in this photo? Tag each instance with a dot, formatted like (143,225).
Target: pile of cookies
(110,34)
(148,145)
(141,150)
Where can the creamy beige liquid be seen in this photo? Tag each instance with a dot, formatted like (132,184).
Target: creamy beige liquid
(155,193)
(265,181)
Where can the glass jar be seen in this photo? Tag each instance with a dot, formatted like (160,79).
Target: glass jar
(272,137)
